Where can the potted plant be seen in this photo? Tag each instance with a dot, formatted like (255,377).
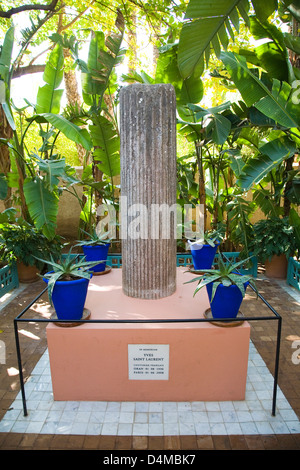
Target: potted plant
(273,242)
(203,249)
(226,288)
(68,285)
(95,247)
(22,243)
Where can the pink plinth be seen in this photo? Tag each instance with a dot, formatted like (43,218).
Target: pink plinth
(92,362)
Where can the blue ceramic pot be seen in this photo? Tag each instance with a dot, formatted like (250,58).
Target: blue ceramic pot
(226,302)
(96,253)
(68,298)
(203,257)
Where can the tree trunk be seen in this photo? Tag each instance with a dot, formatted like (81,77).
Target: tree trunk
(73,98)
(132,43)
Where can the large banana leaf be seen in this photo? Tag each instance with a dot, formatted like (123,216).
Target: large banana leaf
(70,130)
(42,205)
(269,157)
(103,56)
(210,26)
(107,146)
(272,55)
(266,203)
(277,103)
(188,90)
(5,69)
(217,126)
(6,54)
(53,170)
(49,96)
(90,84)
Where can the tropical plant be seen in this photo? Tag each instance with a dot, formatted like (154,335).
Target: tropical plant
(226,274)
(210,27)
(209,237)
(265,77)
(238,224)
(94,238)
(273,236)
(67,268)
(99,87)
(22,242)
(37,174)
(208,129)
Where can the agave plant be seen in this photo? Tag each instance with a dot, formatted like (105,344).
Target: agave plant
(68,268)
(210,237)
(226,274)
(94,238)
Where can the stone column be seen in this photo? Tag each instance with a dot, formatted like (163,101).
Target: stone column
(148,185)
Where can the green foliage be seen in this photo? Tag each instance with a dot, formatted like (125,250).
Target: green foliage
(99,82)
(49,96)
(5,75)
(275,102)
(273,236)
(226,274)
(210,26)
(38,172)
(240,229)
(70,130)
(294,220)
(210,237)
(22,242)
(188,90)
(3,186)
(107,145)
(269,156)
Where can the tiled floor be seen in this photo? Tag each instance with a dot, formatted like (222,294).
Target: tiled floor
(252,416)
(191,425)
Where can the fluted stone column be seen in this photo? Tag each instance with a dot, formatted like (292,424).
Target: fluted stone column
(148,190)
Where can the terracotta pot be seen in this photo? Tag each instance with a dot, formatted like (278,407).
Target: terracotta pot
(277,267)
(27,274)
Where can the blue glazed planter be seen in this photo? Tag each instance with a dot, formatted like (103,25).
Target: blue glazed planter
(226,302)
(203,257)
(96,253)
(68,298)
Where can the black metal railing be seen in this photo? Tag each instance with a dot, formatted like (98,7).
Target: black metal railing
(274,316)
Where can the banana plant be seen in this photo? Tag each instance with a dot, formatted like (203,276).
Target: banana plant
(7,123)
(104,56)
(5,75)
(268,94)
(210,26)
(275,102)
(39,171)
(98,85)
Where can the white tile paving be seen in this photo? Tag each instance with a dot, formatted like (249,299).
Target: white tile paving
(252,416)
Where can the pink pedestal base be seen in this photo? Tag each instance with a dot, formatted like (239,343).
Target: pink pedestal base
(91,362)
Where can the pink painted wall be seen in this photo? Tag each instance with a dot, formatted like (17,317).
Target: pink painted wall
(90,362)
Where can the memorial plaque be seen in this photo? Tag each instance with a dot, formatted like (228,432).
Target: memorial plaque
(148,361)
